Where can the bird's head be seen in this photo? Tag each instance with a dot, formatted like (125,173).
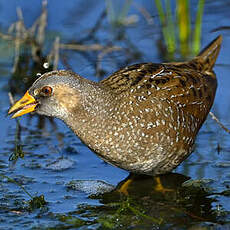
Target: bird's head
(54,94)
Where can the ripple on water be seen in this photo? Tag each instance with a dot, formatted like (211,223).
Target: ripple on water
(61,164)
(91,187)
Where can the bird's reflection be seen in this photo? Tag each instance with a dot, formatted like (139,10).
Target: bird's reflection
(178,204)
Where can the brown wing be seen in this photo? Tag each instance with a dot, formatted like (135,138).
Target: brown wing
(131,76)
(178,83)
(189,85)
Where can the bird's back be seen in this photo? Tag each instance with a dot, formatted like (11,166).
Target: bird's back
(190,85)
(172,101)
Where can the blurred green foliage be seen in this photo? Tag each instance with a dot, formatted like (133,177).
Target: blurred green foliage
(176,26)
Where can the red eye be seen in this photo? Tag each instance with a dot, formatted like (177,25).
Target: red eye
(47,90)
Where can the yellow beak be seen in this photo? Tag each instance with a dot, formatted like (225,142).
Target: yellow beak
(25,105)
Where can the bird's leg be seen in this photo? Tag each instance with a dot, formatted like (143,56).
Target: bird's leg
(124,187)
(159,187)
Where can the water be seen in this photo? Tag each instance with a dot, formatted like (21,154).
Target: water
(80,189)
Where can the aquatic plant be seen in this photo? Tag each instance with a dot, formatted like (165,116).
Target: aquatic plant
(117,12)
(176,26)
(36,202)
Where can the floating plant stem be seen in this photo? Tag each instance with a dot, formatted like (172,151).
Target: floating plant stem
(35,202)
(15,182)
(140,213)
(18,152)
(218,122)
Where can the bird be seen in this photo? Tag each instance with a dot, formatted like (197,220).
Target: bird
(143,118)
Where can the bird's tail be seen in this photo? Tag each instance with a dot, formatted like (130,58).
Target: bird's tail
(207,57)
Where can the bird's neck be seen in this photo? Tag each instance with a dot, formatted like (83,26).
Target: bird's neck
(88,119)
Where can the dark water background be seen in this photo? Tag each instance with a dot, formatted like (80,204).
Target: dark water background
(73,180)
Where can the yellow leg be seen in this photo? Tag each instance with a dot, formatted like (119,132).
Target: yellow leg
(159,187)
(124,188)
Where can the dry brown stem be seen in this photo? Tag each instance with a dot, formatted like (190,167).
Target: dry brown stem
(219,123)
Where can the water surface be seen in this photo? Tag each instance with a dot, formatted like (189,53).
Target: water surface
(80,189)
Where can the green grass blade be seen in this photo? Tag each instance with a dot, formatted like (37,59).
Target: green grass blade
(117,11)
(170,28)
(125,9)
(183,19)
(198,27)
(167,26)
(110,11)
(160,12)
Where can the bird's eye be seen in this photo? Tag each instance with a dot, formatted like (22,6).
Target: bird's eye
(47,90)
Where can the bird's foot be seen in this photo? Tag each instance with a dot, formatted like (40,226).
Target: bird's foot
(159,187)
(124,188)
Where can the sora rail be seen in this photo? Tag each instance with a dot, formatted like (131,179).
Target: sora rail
(143,118)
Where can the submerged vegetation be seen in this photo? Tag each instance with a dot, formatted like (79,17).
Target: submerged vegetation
(36,202)
(181,31)
(144,207)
